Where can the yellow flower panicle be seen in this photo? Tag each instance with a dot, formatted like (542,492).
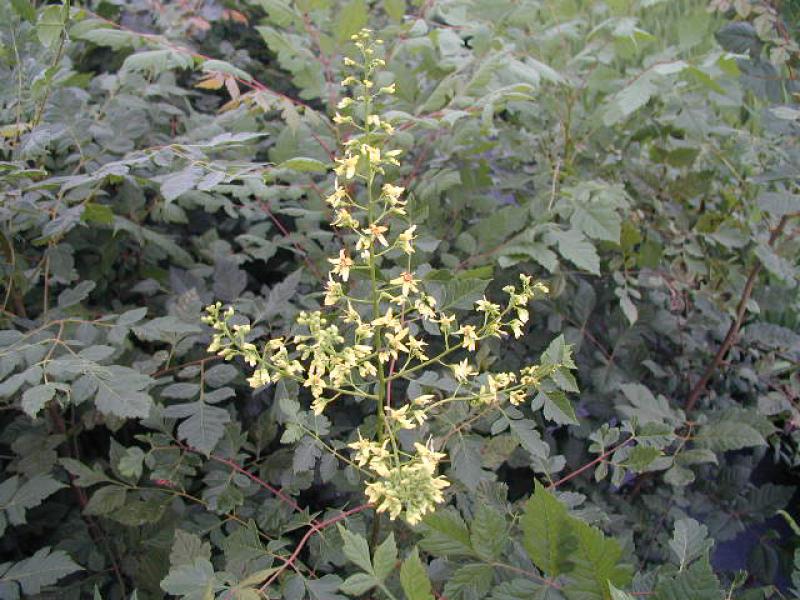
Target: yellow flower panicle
(365,340)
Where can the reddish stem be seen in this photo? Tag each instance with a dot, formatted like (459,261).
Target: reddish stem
(589,465)
(315,528)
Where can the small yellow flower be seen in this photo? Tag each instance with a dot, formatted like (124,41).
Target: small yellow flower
(342,265)
(516,397)
(347,166)
(470,337)
(408,283)
(404,240)
(376,232)
(463,371)
(260,377)
(338,195)
(333,291)
(372,153)
(392,192)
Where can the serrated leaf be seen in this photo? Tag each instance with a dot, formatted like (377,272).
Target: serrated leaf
(42,569)
(546,533)
(574,246)
(350,18)
(34,399)
(203,425)
(358,584)
(50,24)
(414,578)
(723,436)
(488,531)
(72,296)
(469,581)
(181,182)
(445,534)
(188,547)
(24,9)
(689,541)
(303,164)
(195,581)
(558,408)
(642,457)
(617,594)
(698,582)
(597,221)
(356,549)
(26,496)
(596,564)
(385,558)
(84,475)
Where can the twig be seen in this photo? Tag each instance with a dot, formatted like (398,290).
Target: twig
(589,465)
(315,528)
(278,493)
(733,331)
(96,531)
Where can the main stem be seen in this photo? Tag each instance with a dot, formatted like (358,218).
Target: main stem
(380,426)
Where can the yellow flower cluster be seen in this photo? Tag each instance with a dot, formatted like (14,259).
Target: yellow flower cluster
(366,340)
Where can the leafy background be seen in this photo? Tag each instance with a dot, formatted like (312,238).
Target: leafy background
(638,155)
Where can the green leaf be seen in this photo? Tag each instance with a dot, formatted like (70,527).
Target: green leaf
(414,578)
(350,18)
(304,164)
(188,547)
(698,582)
(24,9)
(645,406)
(40,570)
(445,534)
(106,500)
(73,296)
(778,204)
(116,39)
(35,398)
(50,25)
(558,408)
(181,182)
(385,558)
(642,457)
(395,9)
(488,532)
(195,581)
(546,533)
(356,549)
(628,308)
(204,426)
(15,499)
(470,581)
(689,541)
(595,564)
(84,476)
(358,584)
(597,221)
(574,246)
(723,436)
(617,594)
(97,213)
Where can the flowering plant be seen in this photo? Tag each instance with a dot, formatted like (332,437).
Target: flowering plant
(372,338)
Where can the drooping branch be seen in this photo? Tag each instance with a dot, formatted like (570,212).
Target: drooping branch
(733,330)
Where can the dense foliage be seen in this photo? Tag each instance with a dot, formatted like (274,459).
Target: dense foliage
(516,318)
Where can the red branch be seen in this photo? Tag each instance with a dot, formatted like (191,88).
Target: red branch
(315,528)
(278,493)
(733,331)
(589,465)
